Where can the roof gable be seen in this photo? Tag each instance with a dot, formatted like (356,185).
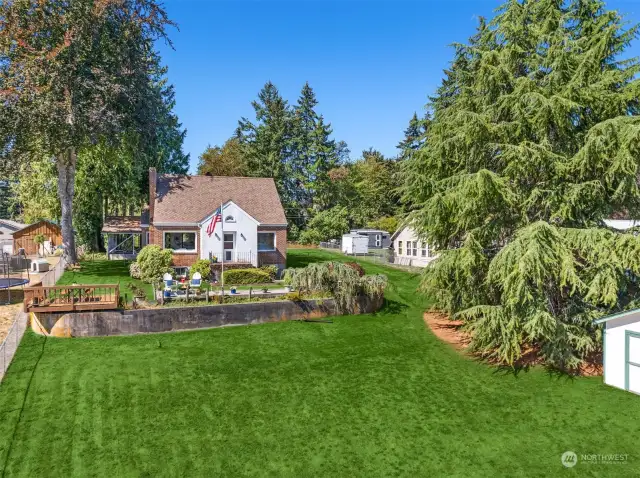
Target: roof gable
(225,211)
(192,199)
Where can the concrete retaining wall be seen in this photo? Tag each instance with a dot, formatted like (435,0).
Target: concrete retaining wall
(130,322)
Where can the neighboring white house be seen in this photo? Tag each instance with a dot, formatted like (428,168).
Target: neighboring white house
(409,250)
(621,350)
(355,244)
(622,224)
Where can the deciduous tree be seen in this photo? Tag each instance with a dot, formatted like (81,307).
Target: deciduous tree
(73,73)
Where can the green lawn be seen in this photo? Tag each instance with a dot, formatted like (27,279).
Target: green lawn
(106,272)
(364,396)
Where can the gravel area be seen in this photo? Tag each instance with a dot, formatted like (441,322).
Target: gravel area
(7,316)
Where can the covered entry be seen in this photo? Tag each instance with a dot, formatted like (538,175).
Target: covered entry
(124,237)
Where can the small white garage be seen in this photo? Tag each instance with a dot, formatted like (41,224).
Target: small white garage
(621,350)
(355,244)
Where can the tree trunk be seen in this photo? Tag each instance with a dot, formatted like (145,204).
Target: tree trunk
(66,184)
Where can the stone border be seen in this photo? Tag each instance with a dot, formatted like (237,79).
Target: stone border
(143,321)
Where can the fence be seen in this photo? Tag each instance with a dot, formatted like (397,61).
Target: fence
(383,257)
(68,298)
(330,245)
(50,278)
(12,340)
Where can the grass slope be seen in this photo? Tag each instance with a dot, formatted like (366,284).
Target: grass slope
(364,396)
(106,272)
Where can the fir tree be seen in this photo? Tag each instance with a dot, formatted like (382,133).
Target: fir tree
(535,140)
(414,136)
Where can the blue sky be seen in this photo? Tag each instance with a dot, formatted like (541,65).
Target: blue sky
(371,63)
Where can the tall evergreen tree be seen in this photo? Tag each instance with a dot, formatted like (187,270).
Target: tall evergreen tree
(414,136)
(535,140)
(326,154)
(267,141)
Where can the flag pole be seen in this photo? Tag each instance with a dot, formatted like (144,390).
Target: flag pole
(222,237)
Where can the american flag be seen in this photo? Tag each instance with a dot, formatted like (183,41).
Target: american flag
(217,217)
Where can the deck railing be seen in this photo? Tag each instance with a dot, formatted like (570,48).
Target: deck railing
(71,298)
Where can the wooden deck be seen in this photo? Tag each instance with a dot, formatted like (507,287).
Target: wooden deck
(71,298)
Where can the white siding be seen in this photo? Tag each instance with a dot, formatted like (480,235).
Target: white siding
(614,347)
(245,229)
(407,235)
(621,224)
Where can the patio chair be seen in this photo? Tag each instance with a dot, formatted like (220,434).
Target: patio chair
(169,284)
(196,282)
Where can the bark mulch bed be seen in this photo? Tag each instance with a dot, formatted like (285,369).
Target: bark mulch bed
(449,331)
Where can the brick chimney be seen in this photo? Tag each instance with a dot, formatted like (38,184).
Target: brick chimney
(153,178)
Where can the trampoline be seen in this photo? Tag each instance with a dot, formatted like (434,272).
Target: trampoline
(12,282)
(12,273)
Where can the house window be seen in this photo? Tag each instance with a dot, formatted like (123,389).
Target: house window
(229,219)
(415,248)
(266,241)
(378,240)
(399,248)
(180,241)
(425,250)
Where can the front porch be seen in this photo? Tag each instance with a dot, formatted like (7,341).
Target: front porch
(124,237)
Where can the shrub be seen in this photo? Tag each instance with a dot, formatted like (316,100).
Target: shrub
(137,291)
(339,280)
(203,266)
(154,262)
(134,270)
(272,270)
(356,267)
(246,276)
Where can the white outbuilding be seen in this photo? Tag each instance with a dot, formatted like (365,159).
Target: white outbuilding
(621,350)
(355,244)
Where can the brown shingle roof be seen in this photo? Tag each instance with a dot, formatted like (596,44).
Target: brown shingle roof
(191,199)
(123,224)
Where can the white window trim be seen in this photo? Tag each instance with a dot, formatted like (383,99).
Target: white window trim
(180,251)
(275,239)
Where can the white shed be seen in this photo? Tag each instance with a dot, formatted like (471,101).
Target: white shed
(355,244)
(621,350)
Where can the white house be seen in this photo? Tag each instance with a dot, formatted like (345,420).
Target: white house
(409,250)
(621,350)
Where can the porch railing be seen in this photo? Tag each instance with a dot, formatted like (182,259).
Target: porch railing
(71,298)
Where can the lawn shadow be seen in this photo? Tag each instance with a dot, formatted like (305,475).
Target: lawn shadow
(393,306)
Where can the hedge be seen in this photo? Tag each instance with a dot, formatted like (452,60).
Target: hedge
(246,276)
